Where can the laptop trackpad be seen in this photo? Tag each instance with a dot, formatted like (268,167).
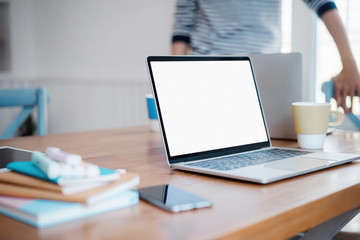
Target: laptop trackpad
(298,164)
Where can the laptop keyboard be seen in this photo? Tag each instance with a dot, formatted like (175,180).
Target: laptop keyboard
(247,159)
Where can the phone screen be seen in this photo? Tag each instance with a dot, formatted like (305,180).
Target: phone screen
(172,199)
(8,154)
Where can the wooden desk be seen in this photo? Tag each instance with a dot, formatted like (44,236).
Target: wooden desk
(241,210)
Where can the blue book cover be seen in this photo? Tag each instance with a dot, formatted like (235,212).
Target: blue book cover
(44,213)
(30,169)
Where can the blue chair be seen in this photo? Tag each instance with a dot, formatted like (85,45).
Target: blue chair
(329,89)
(28,98)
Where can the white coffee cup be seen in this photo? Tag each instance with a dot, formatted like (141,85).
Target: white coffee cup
(311,121)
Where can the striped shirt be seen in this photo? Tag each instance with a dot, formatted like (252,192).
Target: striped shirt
(233,26)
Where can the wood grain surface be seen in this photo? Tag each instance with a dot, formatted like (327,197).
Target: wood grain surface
(240,210)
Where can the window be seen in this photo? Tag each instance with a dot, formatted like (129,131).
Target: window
(286,26)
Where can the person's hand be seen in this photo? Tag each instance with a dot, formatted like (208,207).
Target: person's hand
(179,48)
(347,83)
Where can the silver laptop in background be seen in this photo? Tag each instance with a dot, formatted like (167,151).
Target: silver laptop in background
(279,80)
(212,121)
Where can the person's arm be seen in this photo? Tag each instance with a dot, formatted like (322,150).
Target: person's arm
(185,14)
(347,82)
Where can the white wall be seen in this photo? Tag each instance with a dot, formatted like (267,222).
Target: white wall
(90,54)
(23,58)
(100,39)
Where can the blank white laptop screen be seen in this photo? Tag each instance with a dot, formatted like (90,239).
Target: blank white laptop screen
(197,100)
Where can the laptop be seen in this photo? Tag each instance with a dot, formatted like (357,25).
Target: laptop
(212,121)
(279,79)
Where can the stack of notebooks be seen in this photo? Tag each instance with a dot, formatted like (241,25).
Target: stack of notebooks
(27,194)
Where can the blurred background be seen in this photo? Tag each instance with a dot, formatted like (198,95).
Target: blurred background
(90,54)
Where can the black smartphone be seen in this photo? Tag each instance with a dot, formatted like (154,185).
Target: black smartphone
(172,199)
(10,154)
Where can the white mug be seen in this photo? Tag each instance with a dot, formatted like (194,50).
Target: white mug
(311,121)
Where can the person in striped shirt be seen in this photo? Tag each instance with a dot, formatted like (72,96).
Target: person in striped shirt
(215,27)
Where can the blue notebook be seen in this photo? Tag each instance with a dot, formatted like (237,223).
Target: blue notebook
(30,169)
(43,213)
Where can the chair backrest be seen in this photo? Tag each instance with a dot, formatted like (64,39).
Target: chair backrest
(28,98)
(329,89)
